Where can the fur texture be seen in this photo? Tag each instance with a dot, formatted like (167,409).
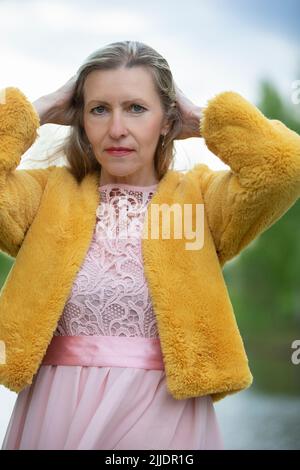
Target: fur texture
(47,221)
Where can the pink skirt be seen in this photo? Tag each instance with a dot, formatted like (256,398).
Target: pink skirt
(108,392)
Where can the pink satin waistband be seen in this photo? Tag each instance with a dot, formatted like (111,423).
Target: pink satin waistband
(106,351)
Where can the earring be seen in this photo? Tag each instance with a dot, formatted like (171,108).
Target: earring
(163,141)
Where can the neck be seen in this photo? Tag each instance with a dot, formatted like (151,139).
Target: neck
(134,180)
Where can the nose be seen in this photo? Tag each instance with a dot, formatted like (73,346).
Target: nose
(117,125)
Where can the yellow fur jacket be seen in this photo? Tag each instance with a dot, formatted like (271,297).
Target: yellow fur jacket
(47,221)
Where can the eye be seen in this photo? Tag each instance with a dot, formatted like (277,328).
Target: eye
(139,106)
(138,109)
(92,111)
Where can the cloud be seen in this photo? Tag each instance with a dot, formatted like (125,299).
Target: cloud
(61,17)
(209,46)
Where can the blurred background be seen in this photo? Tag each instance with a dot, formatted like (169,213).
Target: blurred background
(251,47)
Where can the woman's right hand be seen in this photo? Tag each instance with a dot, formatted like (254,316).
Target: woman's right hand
(55,108)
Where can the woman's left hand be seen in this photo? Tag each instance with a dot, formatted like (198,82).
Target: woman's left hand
(191,115)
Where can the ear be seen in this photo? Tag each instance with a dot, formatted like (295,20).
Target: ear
(165,127)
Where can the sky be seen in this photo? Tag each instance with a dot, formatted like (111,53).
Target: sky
(210,45)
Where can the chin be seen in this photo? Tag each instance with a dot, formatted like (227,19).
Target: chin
(120,170)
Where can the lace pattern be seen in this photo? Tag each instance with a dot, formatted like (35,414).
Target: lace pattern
(110,295)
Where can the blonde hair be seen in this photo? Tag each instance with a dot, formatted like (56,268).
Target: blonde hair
(75,147)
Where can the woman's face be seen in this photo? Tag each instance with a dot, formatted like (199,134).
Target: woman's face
(123,109)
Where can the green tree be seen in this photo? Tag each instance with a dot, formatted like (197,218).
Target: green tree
(6,264)
(264,281)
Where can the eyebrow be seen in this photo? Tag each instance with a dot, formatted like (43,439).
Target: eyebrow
(98,100)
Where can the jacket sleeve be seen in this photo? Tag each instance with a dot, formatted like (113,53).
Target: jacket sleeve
(20,190)
(263,181)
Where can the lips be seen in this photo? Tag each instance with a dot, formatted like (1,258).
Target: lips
(119,148)
(119,151)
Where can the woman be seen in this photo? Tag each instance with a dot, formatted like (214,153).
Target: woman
(134,356)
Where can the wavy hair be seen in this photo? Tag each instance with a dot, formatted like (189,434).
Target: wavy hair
(75,148)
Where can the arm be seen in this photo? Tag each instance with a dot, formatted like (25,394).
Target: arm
(264,177)
(20,190)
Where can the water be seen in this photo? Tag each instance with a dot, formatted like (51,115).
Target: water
(250,420)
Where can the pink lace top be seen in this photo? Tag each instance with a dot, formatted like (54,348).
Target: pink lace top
(110,407)
(110,295)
